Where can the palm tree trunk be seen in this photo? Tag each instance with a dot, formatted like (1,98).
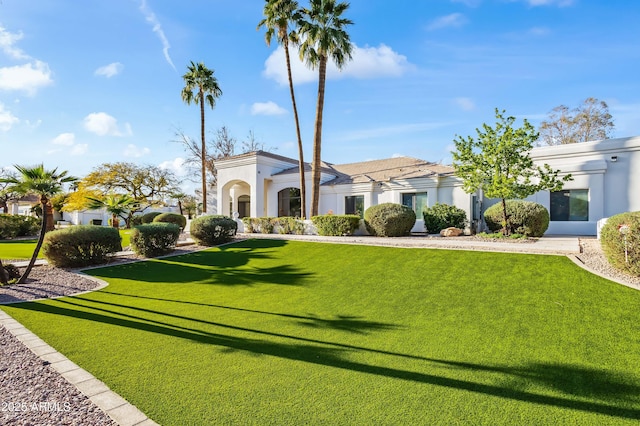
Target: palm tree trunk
(317,139)
(36,251)
(203,153)
(303,189)
(47,212)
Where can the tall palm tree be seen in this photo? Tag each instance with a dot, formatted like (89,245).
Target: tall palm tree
(323,35)
(200,86)
(116,204)
(278,15)
(44,183)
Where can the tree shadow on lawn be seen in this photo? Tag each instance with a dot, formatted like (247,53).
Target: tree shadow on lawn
(223,267)
(603,388)
(352,324)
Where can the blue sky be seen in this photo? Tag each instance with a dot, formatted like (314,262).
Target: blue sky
(88,82)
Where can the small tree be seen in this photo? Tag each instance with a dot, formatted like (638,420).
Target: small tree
(116,204)
(498,163)
(44,183)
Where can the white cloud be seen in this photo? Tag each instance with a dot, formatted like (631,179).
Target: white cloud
(7,119)
(465,104)
(133,151)
(79,149)
(102,124)
(28,77)
(454,20)
(368,62)
(267,108)
(110,70)
(176,166)
(7,41)
(66,139)
(157,28)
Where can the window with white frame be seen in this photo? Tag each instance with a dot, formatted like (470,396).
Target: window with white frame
(417,201)
(354,204)
(569,205)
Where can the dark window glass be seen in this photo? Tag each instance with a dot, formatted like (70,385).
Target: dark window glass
(570,205)
(417,201)
(289,203)
(354,205)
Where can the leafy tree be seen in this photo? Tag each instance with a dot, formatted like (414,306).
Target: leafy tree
(498,163)
(588,122)
(201,86)
(279,15)
(116,204)
(322,28)
(44,183)
(79,198)
(146,185)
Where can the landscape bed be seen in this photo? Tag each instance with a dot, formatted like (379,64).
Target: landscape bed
(283,332)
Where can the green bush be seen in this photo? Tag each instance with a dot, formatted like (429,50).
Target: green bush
(154,239)
(175,218)
(289,225)
(81,245)
(13,225)
(136,220)
(526,217)
(442,216)
(248,225)
(148,217)
(613,242)
(213,230)
(336,225)
(389,220)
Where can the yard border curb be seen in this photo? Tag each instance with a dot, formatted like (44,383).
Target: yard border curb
(575,259)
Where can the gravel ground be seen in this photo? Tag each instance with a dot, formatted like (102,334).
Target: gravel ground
(32,393)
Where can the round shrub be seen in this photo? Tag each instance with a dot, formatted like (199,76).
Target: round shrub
(29,225)
(154,239)
(136,220)
(148,217)
(81,245)
(12,271)
(526,217)
(336,225)
(389,220)
(442,216)
(9,227)
(613,242)
(175,218)
(213,230)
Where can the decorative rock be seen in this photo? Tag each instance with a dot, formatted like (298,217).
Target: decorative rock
(451,232)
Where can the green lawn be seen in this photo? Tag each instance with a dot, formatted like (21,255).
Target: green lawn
(23,249)
(275,332)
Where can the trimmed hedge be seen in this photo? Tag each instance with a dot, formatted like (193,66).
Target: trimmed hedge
(613,242)
(289,225)
(263,225)
(389,220)
(13,225)
(336,225)
(81,245)
(148,217)
(526,217)
(213,230)
(154,239)
(175,218)
(442,216)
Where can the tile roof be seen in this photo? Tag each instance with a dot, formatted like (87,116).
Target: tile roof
(387,170)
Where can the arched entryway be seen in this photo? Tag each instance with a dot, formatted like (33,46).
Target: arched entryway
(289,202)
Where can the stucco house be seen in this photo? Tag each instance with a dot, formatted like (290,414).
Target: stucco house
(606,181)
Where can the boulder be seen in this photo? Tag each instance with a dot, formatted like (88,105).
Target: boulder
(451,232)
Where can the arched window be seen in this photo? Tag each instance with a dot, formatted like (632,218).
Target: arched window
(289,202)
